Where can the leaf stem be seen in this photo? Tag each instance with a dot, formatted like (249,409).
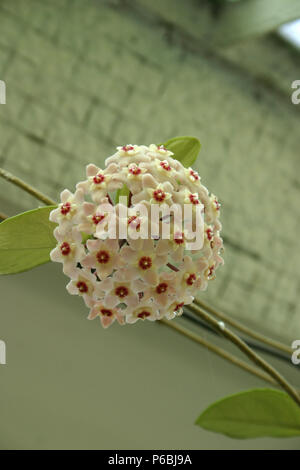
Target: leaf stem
(255,358)
(218,351)
(244,329)
(26,187)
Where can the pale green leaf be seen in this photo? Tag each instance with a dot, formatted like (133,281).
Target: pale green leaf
(254,413)
(26,240)
(185,149)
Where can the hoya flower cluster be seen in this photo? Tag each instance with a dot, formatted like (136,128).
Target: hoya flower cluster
(124,277)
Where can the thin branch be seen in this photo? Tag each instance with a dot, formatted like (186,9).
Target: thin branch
(248,331)
(26,187)
(219,351)
(255,358)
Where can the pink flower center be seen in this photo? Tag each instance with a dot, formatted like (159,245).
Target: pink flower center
(65,248)
(159,195)
(144,314)
(135,170)
(161,147)
(82,287)
(194,174)
(106,312)
(165,165)
(162,287)
(126,148)
(194,199)
(98,179)
(97,218)
(191,279)
(145,262)
(102,257)
(65,208)
(121,291)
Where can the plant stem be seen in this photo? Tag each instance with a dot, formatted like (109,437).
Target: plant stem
(3,216)
(26,187)
(219,351)
(221,328)
(239,326)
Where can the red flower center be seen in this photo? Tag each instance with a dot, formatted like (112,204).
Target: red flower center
(210,271)
(194,199)
(144,314)
(161,147)
(135,170)
(121,291)
(179,238)
(217,204)
(162,287)
(98,179)
(133,219)
(209,233)
(102,257)
(126,148)
(106,312)
(159,195)
(65,248)
(178,307)
(165,165)
(98,218)
(145,262)
(191,279)
(82,287)
(194,174)
(65,208)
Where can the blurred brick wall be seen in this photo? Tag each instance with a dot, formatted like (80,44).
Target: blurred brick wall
(85,76)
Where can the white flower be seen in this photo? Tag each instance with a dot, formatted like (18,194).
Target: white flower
(69,250)
(103,256)
(145,311)
(133,272)
(69,209)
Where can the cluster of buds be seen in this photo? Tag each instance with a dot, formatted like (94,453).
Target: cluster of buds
(121,274)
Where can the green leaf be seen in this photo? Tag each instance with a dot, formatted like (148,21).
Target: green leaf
(26,240)
(185,149)
(254,413)
(122,192)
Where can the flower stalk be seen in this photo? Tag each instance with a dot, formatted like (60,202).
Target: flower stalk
(218,351)
(239,326)
(26,187)
(242,346)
